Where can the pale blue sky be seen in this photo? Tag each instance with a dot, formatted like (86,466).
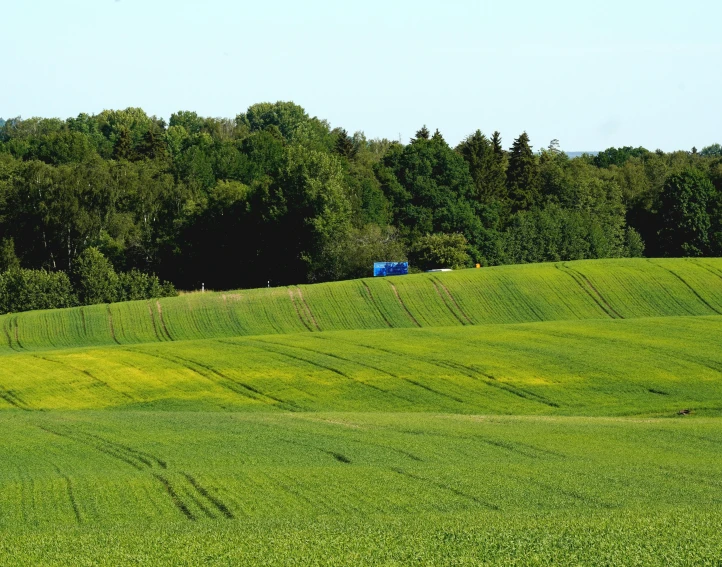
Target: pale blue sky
(592,74)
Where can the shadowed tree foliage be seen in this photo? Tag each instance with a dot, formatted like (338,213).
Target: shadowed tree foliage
(522,176)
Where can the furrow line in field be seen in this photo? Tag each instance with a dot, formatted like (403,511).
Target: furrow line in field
(373,302)
(71,497)
(298,311)
(14,400)
(175,497)
(70,492)
(142,456)
(218,503)
(492,381)
(401,301)
(600,301)
(309,313)
(162,321)
(711,269)
(17,336)
(196,499)
(7,334)
(152,320)
(448,488)
(86,373)
(453,299)
(245,390)
(225,381)
(310,362)
(343,359)
(288,405)
(112,328)
(82,318)
(339,372)
(694,291)
(105,450)
(446,304)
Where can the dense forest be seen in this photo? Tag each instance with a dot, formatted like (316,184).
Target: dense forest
(276,197)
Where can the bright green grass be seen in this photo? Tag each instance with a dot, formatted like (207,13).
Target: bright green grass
(533,419)
(109,488)
(507,294)
(654,366)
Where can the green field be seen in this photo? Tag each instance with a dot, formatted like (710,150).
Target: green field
(522,415)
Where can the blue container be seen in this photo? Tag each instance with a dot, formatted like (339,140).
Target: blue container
(391,268)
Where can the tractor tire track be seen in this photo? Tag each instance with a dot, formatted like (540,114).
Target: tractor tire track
(7,335)
(224,381)
(401,302)
(110,325)
(162,321)
(175,498)
(583,282)
(155,327)
(298,311)
(436,279)
(343,359)
(14,400)
(145,462)
(694,291)
(373,302)
(310,362)
(341,373)
(219,505)
(448,488)
(17,336)
(492,381)
(86,373)
(446,304)
(309,313)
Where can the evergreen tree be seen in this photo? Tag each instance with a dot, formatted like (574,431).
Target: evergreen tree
(522,177)
(344,145)
(485,166)
(684,210)
(123,148)
(422,134)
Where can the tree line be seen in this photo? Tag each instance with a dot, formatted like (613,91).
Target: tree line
(277,196)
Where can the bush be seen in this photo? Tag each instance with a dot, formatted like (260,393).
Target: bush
(139,285)
(440,250)
(26,290)
(95,279)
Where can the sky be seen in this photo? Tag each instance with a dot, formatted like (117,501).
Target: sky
(591,74)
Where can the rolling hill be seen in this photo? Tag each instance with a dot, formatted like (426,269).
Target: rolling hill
(544,414)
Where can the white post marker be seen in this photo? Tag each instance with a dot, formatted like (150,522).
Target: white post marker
(203,288)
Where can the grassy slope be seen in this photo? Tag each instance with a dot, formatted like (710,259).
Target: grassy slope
(601,367)
(552,442)
(506,294)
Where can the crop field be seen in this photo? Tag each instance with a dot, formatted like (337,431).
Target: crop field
(589,289)
(554,414)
